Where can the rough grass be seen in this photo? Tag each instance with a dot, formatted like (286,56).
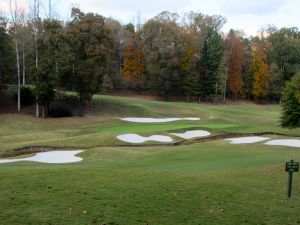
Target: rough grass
(207,183)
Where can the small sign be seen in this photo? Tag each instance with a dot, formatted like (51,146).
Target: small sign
(292,166)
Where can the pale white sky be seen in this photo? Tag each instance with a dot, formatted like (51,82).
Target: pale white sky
(248,15)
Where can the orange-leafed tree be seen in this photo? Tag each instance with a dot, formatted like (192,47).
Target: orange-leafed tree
(260,70)
(133,66)
(189,81)
(235,62)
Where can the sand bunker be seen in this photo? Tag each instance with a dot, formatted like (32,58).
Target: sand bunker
(192,134)
(136,139)
(285,142)
(156,120)
(50,157)
(247,140)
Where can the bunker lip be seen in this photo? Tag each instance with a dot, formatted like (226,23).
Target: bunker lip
(34,149)
(246,140)
(138,139)
(157,120)
(295,143)
(52,157)
(192,134)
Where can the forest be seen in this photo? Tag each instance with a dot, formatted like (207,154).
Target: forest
(187,57)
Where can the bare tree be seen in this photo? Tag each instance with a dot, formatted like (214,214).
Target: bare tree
(24,37)
(15,19)
(49,8)
(3,24)
(35,20)
(228,54)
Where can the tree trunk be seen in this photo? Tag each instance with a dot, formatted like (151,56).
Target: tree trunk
(0,75)
(73,75)
(18,70)
(226,74)
(81,111)
(24,66)
(56,63)
(14,15)
(37,109)
(36,12)
(216,94)
(43,111)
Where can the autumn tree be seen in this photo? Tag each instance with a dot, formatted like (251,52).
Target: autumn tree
(133,65)
(115,56)
(190,76)
(235,62)
(247,75)
(190,44)
(260,70)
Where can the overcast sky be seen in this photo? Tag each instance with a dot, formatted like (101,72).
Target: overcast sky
(248,15)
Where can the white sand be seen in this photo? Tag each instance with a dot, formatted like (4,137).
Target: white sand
(50,157)
(285,142)
(156,120)
(192,134)
(135,138)
(247,140)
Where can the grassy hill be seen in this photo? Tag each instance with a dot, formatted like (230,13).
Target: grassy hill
(206,183)
(101,130)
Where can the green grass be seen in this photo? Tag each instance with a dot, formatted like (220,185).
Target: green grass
(207,183)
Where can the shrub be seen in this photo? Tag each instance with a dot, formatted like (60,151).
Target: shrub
(291,103)
(60,111)
(27,96)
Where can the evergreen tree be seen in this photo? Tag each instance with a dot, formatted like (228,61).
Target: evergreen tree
(209,64)
(44,84)
(6,55)
(291,103)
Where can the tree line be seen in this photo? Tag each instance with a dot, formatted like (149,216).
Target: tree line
(169,55)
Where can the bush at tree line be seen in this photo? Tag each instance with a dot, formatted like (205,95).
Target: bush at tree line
(291,103)
(27,96)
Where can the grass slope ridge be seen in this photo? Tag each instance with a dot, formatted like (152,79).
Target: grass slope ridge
(18,131)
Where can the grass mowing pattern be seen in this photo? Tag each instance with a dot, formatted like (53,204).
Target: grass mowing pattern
(207,183)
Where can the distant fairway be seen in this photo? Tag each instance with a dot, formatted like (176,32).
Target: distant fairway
(205,183)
